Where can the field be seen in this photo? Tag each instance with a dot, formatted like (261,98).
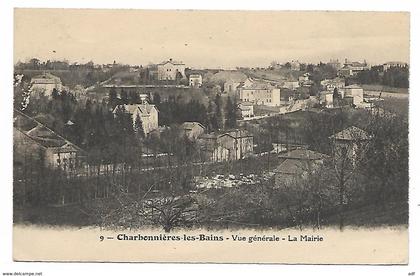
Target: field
(378,88)
(397,105)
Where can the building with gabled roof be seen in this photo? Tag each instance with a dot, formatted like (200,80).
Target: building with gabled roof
(352,133)
(351,68)
(45,84)
(148,114)
(192,130)
(33,140)
(297,164)
(260,93)
(171,70)
(229,145)
(246,109)
(354,92)
(195,80)
(350,143)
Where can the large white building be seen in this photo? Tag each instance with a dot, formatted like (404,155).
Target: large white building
(353,91)
(196,80)
(171,70)
(260,93)
(45,84)
(148,114)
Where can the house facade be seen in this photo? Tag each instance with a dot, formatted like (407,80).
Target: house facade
(260,93)
(33,140)
(232,85)
(170,70)
(331,84)
(351,68)
(45,84)
(195,80)
(291,84)
(327,99)
(350,143)
(227,146)
(148,114)
(246,109)
(192,130)
(353,91)
(296,165)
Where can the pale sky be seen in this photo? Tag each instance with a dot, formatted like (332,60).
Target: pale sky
(209,38)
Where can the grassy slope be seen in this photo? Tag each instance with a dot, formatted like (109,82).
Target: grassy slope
(377,87)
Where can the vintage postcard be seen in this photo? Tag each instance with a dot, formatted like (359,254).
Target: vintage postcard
(211,136)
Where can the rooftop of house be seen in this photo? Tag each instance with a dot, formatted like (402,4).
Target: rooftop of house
(303,154)
(131,108)
(195,76)
(191,125)
(351,134)
(45,78)
(355,64)
(236,134)
(259,85)
(335,80)
(353,86)
(41,134)
(294,166)
(171,61)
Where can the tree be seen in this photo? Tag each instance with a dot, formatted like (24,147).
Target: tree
(230,113)
(133,97)
(138,127)
(156,99)
(347,159)
(112,97)
(170,211)
(124,96)
(388,159)
(218,116)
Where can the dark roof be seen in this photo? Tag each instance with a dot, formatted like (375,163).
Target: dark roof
(294,166)
(353,86)
(41,134)
(351,134)
(190,125)
(260,85)
(172,61)
(238,133)
(303,154)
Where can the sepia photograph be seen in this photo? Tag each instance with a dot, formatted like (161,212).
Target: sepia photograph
(259,134)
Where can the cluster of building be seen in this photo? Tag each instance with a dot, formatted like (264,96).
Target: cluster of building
(336,93)
(351,68)
(349,144)
(228,145)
